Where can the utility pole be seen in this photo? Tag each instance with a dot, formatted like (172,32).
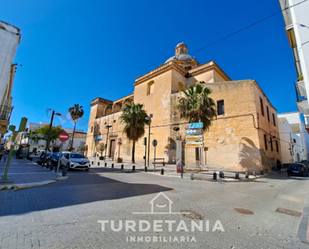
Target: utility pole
(48,138)
(149,118)
(107,127)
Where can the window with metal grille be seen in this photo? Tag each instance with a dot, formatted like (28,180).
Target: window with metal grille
(220,107)
(267,109)
(265,141)
(274,119)
(262,106)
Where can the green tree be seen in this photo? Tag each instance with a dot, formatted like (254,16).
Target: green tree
(76,112)
(197,106)
(101,148)
(134,118)
(83,148)
(42,133)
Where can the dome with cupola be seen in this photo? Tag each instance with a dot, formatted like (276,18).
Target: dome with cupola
(181,57)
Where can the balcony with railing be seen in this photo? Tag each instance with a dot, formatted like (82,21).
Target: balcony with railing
(5,112)
(5,115)
(301,96)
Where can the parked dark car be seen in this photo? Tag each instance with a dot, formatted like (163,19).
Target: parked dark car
(53,159)
(296,169)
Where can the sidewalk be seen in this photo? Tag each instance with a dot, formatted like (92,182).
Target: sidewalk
(24,173)
(170,171)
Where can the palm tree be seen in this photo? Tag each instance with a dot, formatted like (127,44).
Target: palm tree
(134,118)
(197,106)
(76,112)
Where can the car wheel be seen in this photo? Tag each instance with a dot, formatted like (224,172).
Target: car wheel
(68,166)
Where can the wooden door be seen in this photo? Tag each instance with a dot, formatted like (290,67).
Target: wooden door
(112,149)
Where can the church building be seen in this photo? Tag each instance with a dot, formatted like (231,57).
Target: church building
(244,136)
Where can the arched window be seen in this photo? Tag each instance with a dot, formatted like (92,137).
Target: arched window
(150,87)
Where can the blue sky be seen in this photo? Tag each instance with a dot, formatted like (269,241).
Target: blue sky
(74,51)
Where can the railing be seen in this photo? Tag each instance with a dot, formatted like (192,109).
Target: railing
(5,112)
(298,96)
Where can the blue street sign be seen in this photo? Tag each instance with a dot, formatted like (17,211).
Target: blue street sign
(194,132)
(194,125)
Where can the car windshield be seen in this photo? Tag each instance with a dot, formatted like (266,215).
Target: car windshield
(73,155)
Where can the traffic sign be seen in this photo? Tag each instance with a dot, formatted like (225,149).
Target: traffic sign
(194,144)
(194,132)
(63,136)
(194,125)
(154,142)
(194,138)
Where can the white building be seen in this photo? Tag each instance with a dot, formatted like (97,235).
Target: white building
(296,20)
(79,139)
(9,40)
(294,139)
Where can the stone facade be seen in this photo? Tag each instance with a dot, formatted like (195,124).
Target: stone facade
(235,140)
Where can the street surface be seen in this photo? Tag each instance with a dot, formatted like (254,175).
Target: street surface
(65,214)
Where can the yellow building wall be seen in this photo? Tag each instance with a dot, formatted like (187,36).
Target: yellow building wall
(233,140)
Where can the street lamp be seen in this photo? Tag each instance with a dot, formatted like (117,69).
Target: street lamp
(50,126)
(149,118)
(106,127)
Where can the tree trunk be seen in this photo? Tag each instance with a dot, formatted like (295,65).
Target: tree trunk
(133,152)
(73,137)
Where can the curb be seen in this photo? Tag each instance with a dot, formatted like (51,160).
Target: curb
(31,184)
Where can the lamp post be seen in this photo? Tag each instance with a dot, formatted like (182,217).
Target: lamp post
(106,127)
(149,118)
(50,126)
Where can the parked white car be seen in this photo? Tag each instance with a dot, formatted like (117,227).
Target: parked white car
(74,161)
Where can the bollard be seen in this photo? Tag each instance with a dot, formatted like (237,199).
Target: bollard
(98,163)
(121,166)
(214,177)
(162,171)
(254,173)
(145,169)
(221,174)
(236,175)
(192,176)
(262,172)
(64,171)
(112,165)
(247,175)
(105,164)
(133,168)
(51,167)
(92,163)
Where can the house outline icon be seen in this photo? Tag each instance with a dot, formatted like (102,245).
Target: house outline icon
(169,203)
(152,203)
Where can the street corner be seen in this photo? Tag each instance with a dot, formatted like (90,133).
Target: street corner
(17,186)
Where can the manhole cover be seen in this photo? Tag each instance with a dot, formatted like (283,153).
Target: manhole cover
(243,211)
(193,215)
(289,212)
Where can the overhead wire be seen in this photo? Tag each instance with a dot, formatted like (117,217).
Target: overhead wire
(208,45)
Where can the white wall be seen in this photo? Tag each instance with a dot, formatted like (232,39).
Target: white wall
(287,137)
(300,18)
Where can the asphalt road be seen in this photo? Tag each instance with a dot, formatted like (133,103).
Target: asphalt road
(108,208)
